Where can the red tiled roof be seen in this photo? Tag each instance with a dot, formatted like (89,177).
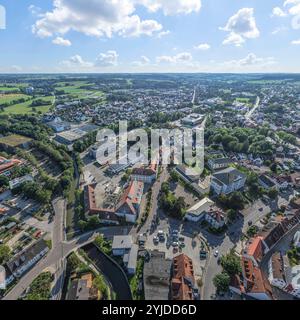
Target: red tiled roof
(255,280)
(183,278)
(131,196)
(104,214)
(6,164)
(255,248)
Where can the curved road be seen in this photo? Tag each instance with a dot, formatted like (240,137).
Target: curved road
(59,251)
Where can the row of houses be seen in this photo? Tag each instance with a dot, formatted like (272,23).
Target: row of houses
(284,276)
(25,260)
(254,283)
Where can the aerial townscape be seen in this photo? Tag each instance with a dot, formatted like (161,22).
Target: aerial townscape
(74,228)
(149,150)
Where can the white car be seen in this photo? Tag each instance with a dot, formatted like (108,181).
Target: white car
(216,253)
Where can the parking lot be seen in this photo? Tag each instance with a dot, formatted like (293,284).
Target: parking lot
(192,246)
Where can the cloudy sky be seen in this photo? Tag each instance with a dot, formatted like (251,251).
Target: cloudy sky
(150,36)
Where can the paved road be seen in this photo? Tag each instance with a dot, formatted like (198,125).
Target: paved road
(60,250)
(250,113)
(53,257)
(154,208)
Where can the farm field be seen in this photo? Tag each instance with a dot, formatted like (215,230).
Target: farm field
(73,88)
(8,98)
(243,100)
(25,107)
(11,87)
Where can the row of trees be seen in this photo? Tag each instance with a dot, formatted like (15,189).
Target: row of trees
(175,207)
(231,267)
(243,140)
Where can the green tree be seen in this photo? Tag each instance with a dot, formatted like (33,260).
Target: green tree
(221,281)
(231,214)
(231,264)
(273,193)
(4,181)
(4,253)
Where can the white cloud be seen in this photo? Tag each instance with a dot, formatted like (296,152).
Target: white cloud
(163,34)
(235,39)
(181,58)
(278,12)
(62,42)
(135,27)
(108,59)
(34,10)
(291,8)
(104,60)
(279,30)
(241,26)
(202,47)
(250,61)
(144,61)
(296,42)
(104,18)
(76,62)
(101,18)
(171,7)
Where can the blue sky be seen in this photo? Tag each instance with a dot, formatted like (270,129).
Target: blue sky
(150,36)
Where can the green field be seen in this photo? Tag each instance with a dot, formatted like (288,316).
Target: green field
(12,87)
(8,98)
(23,108)
(243,100)
(73,88)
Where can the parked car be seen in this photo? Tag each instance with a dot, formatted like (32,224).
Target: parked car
(203,254)
(155,240)
(175,244)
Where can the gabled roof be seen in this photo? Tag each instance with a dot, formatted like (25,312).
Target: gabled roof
(183,280)
(229,176)
(131,197)
(255,248)
(255,279)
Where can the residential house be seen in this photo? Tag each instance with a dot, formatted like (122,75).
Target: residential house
(219,163)
(83,289)
(197,212)
(279,270)
(283,276)
(183,285)
(145,174)
(123,246)
(15,183)
(26,259)
(6,165)
(129,205)
(267,182)
(215,217)
(227,181)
